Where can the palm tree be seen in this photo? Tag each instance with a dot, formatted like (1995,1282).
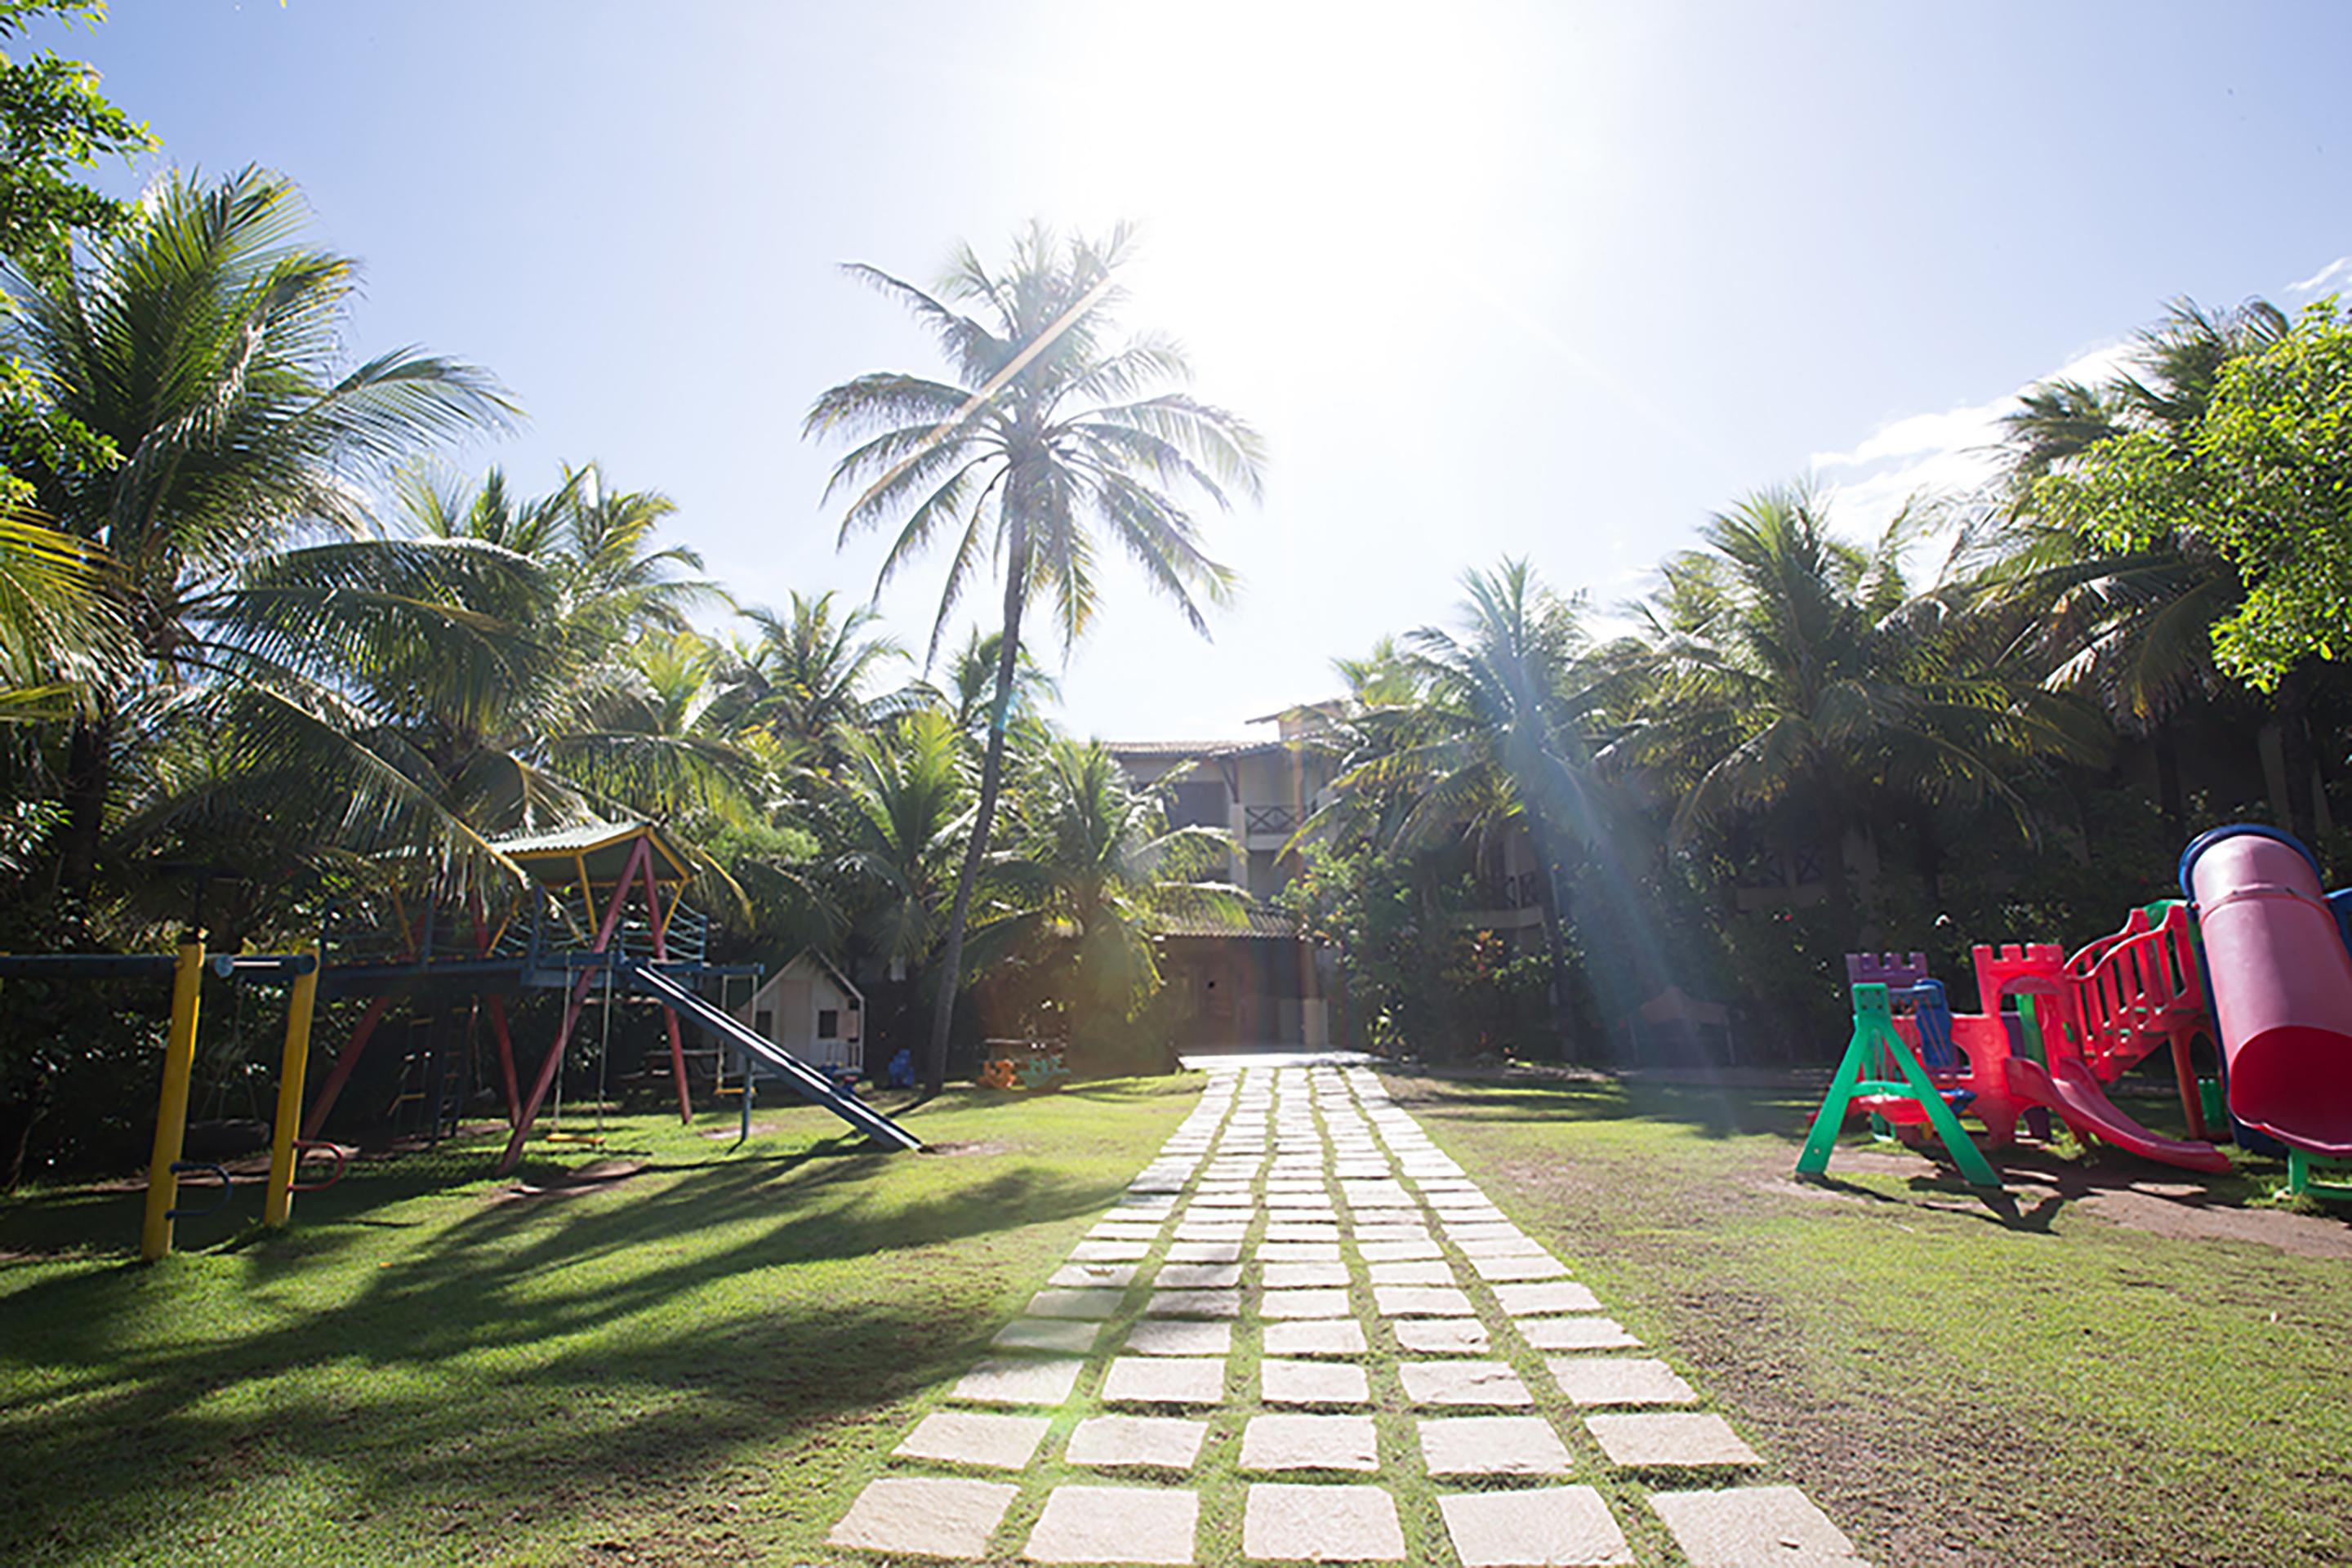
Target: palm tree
(202,342)
(1782,666)
(1092,873)
(1048,443)
(968,691)
(1477,731)
(808,677)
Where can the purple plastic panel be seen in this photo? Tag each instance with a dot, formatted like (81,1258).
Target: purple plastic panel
(1892,970)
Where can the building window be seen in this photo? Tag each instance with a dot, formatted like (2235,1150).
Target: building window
(763,1024)
(828,1024)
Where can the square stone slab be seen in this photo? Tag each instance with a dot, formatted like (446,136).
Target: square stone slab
(1125,1230)
(1201,1230)
(1197,1276)
(924,1517)
(1442,1336)
(1300,1230)
(971,1437)
(1303,1304)
(1493,1445)
(1115,1524)
(1587,1333)
(1453,1220)
(1744,1525)
(1108,1252)
(1296,1205)
(1311,1383)
(1425,1272)
(1194,1304)
(1160,1442)
(1175,1336)
(1371,1233)
(1060,1303)
(1066,1335)
(1204,1251)
(1299,1252)
(1298,1276)
(1620,1379)
(1677,1437)
(1463,1383)
(1522,1266)
(1547,1296)
(1164,1380)
(1398,1251)
(1555,1525)
(1025,1380)
(1500,1246)
(1093,1276)
(1421,1301)
(1321,1524)
(1310,1443)
(1319,1336)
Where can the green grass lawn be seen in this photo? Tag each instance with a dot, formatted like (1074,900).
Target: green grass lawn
(1955,1382)
(703,1361)
(698,1363)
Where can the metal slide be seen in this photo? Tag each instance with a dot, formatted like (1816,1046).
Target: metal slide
(812,1085)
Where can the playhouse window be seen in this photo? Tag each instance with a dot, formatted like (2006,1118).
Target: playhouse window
(828,1024)
(763,1024)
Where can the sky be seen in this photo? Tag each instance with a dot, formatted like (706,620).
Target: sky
(1552,281)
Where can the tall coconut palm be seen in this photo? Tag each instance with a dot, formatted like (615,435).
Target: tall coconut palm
(1048,445)
(203,339)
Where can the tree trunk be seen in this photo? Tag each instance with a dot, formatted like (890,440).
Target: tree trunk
(2295,753)
(2169,795)
(89,754)
(1555,946)
(992,775)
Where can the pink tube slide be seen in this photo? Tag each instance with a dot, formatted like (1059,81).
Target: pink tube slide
(2280,984)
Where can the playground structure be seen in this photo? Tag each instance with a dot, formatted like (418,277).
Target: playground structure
(607,908)
(2259,963)
(603,905)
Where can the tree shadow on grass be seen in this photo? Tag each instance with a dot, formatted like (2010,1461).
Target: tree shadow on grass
(539,1354)
(1714,1109)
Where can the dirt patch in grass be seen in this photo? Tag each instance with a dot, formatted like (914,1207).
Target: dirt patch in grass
(2182,1210)
(597,1175)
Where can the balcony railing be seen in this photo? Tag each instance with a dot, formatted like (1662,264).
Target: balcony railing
(1259,820)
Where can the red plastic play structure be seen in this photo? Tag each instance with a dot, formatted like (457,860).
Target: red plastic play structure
(2261,962)
(2053,1031)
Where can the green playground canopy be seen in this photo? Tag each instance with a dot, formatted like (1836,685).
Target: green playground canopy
(593,852)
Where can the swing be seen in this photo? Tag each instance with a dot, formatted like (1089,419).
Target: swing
(556,1134)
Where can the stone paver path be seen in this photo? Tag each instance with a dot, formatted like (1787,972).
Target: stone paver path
(1307,1336)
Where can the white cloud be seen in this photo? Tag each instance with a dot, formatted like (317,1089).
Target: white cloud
(2337,272)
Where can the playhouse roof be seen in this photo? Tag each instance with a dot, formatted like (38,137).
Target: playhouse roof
(556,858)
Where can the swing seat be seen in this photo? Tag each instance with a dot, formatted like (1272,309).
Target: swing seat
(1902,1109)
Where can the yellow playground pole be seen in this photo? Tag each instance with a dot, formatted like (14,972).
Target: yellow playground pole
(172,1108)
(278,1206)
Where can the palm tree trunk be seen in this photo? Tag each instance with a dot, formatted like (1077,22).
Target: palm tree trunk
(992,776)
(87,780)
(1555,946)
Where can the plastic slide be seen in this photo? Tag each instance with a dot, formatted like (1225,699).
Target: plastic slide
(812,1085)
(2280,982)
(2075,1094)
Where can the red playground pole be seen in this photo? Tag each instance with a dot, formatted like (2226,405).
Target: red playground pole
(641,856)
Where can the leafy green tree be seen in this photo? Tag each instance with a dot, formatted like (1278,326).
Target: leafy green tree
(54,123)
(1047,445)
(2262,480)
